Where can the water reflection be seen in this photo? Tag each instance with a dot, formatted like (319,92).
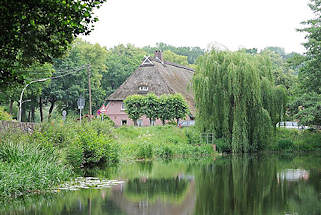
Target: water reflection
(245,184)
(293,175)
(252,185)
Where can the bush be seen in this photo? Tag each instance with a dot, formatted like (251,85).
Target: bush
(96,146)
(144,151)
(192,134)
(285,145)
(165,152)
(222,145)
(295,140)
(4,115)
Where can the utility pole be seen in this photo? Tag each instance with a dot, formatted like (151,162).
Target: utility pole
(89,88)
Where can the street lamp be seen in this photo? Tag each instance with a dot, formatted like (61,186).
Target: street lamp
(20,101)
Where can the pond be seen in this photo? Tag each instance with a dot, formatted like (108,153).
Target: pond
(247,184)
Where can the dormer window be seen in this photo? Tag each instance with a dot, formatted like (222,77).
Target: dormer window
(143,88)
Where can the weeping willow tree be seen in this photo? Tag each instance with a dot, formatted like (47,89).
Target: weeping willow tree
(236,99)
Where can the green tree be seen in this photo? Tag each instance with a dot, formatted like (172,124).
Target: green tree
(165,113)
(134,107)
(228,95)
(38,31)
(310,75)
(151,107)
(177,106)
(307,108)
(175,58)
(65,91)
(192,53)
(121,62)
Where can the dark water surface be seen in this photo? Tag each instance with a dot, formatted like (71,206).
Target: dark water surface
(248,184)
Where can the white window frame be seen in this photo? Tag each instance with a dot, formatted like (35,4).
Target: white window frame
(143,88)
(122,106)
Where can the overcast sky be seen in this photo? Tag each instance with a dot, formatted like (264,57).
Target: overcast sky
(233,23)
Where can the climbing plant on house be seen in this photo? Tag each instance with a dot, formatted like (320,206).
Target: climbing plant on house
(236,98)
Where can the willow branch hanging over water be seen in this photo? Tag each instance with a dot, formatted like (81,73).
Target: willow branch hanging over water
(236,98)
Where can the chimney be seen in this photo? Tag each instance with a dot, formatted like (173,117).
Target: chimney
(159,55)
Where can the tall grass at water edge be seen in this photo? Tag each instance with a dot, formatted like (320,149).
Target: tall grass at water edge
(293,140)
(27,168)
(159,142)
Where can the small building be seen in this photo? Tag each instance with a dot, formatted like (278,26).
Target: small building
(156,76)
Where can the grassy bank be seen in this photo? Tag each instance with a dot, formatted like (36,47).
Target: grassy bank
(159,142)
(27,168)
(293,140)
(59,151)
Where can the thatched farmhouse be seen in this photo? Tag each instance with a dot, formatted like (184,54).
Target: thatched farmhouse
(156,76)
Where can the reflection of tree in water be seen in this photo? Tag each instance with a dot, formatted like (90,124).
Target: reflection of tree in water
(145,166)
(84,202)
(249,185)
(148,188)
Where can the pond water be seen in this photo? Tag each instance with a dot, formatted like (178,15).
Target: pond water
(248,184)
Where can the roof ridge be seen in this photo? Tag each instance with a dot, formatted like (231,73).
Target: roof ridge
(179,66)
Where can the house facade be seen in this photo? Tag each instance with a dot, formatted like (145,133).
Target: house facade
(153,76)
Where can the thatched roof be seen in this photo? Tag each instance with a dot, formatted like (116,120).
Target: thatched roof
(160,78)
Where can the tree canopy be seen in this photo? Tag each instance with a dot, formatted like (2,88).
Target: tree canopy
(36,31)
(311,72)
(236,98)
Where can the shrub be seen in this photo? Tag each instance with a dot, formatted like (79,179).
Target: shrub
(74,156)
(165,152)
(4,115)
(285,145)
(222,145)
(192,134)
(144,151)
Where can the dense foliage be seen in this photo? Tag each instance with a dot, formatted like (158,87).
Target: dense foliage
(4,115)
(306,105)
(38,31)
(311,73)
(166,107)
(28,167)
(134,107)
(237,99)
(307,109)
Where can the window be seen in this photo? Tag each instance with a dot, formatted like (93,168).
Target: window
(124,122)
(123,106)
(143,88)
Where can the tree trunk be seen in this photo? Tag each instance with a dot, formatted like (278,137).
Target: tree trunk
(11,106)
(40,109)
(23,113)
(32,114)
(135,122)
(150,122)
(29,116)
(163,121)
(177,121)
(52,104)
